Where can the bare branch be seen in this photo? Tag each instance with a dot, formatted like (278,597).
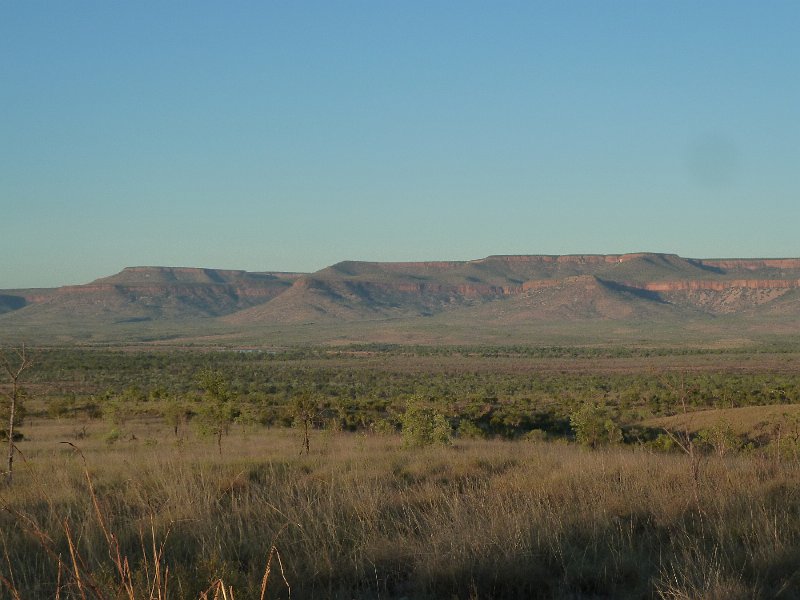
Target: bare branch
(14,369)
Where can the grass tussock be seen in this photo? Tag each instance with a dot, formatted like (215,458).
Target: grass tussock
(362,516)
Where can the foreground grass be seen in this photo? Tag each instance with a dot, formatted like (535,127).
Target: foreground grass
(363,517)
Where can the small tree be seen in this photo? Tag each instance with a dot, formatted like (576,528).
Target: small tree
(684,439)
(15,363)
(118,411)
(305,408)
(176,413)
(218,411)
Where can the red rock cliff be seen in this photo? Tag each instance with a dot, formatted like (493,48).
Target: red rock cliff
(719,285)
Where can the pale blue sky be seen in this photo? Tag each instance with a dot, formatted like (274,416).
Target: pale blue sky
(292,135)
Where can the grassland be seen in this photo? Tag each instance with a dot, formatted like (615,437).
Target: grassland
(512,507)
(363,517)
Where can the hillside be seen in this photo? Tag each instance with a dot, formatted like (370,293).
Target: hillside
(752,421)
(509,297)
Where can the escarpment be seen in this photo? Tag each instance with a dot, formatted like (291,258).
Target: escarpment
(498,290)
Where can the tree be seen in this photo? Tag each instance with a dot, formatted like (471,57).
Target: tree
(15,363)
(176,413)
(305,408)
(684,439)
(218,411)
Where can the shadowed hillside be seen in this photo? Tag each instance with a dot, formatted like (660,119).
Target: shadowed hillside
(577,298)
(161,295)
(9,302)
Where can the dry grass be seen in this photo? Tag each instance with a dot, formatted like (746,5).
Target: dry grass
(362,517)
(751,421)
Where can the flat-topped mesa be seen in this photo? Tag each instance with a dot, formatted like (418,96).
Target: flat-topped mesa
(150,275)
(714,263)
(169,292)
(176,279)
(584,259)
(356,268)
(428,264)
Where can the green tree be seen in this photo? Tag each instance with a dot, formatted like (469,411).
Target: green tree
(218,408)
(176,413)
(119,411)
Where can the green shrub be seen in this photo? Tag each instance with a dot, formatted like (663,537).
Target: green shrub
(423,426)
(383,427)
(60,407)
(720,438)
(112,437)
(593,426)
(468,430)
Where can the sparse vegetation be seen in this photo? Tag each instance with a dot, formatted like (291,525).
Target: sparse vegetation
(423,473)
(361,517)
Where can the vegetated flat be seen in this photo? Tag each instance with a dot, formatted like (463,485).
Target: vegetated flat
(644,298)
(523,388)
(518,504)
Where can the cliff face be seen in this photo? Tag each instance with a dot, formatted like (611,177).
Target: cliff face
(466,290)
(715,285)
(243,292)
(790,264)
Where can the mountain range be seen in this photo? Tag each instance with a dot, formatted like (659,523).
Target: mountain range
(519,298)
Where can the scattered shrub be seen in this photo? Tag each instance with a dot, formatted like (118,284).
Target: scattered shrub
(424,426)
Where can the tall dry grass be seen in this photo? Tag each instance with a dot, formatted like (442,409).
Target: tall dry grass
(363,517)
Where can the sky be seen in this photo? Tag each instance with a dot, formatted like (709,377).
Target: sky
(288,136)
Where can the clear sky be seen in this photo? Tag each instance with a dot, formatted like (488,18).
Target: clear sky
(292,135)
